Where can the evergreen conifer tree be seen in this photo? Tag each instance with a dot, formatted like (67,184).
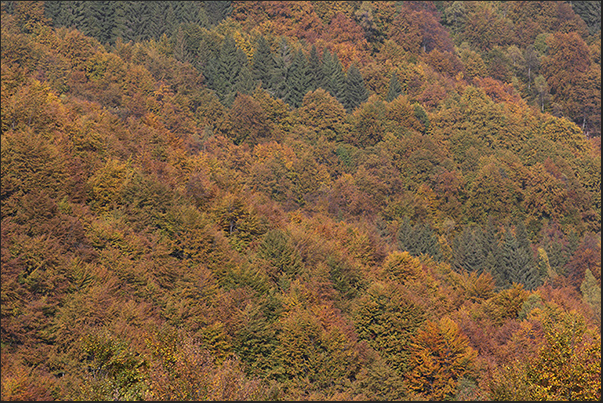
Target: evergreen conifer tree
(245,83)
(404,235)
(394,89)
(120,29)
(298,79)
(262,63)
(468,253)
(217,11)
(280,75)
(333,76)
(355,90)
(315,70)
(418,239)
(493,254)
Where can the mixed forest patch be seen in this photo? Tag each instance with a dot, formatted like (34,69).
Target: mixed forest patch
(309,200)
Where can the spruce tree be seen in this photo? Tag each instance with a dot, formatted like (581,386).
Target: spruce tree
(280,75)
(519,264)
(334,77)
(468,253)
(245,84)
(418,240)
(404,235)
(528,274)
(217,11)
(355,91)
(298,79)
(394,88)
(262,63)
(591,291)
(426,242)
(120,29)
(492,253)
(314,69)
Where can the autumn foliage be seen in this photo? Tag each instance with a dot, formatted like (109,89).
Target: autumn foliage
(300,200)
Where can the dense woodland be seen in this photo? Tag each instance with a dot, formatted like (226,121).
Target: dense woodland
(318,200)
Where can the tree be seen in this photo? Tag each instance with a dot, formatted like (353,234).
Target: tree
(314,70)
(333,75)
(321,112)
(355,92)
(418,239)
(223,71)
(280,75)
(440,356)
(394,88)
(468,250)
(387,318)
(248,122)
(30,15)
(280,252)
(591,291)
(217,11)
(568,366)
(542,89)
(298,80)
(262,63)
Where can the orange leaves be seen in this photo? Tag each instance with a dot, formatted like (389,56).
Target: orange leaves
(347,40)
(324,114)
(107,184)
(440,356)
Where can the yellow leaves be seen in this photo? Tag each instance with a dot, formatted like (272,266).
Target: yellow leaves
(244,43)
(567,133)
(107,184)
(440,356)
(402,267)
(282,153)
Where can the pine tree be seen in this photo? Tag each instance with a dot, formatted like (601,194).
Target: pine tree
(394,88)
(298,79)
(355,90)
(262,63)
(314,69)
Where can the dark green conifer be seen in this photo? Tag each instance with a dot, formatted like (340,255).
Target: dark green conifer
(315,70)
(298,80)
(468,253)
(418,239)
(245,83)
(217,11)
(355,90)
(280,74)
(421,116)
(333,76)
(394,89)
(262,63)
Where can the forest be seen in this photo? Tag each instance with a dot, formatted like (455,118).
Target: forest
(300,200)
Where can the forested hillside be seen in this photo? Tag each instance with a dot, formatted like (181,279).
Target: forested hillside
(308,200)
